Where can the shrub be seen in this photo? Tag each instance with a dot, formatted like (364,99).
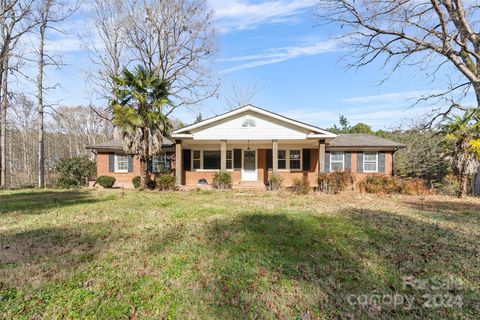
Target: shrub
(136,182)
(106,181)
(275,182)
(335,182)
(165,181)
(300,185)
(74,172)
(222,180)
(389,185)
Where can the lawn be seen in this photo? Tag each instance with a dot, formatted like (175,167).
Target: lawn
(217,255)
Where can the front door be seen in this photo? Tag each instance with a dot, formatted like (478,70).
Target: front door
(249,171)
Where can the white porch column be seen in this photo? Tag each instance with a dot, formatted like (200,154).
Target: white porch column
(223,155)
(178,163)
(321,156)
(275,156)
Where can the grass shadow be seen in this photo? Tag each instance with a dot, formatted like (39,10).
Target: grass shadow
(455,211)
(39,201)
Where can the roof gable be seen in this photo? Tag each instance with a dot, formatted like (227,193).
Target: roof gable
(262,124)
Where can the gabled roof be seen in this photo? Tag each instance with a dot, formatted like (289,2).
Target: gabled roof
(116,145)
(362,140)
(249,107)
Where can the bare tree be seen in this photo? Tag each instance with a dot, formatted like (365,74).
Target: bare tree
(16,20)
(174,38)
(429,35)
(241,97)
(51,12)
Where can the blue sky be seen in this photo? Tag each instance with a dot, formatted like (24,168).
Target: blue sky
(295,65)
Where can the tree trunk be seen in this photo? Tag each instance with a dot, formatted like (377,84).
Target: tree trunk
(41,151)
(463,186)
(144,178)
(3,124)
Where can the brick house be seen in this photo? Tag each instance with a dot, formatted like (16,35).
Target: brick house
(252,143)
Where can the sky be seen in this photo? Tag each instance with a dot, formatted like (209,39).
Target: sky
(294,61)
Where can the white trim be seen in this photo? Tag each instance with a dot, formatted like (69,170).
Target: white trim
(301,159)
(116,163)
(376,162)
(320,133)
(343,160)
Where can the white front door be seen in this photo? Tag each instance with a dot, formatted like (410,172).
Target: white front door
(249,170)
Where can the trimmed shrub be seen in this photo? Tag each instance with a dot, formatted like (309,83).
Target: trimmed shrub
(300,185)
(106,181)
(389,185)
(136,182)
(335,182)
(222,180)
(275,182)
(74,172)
(165,182)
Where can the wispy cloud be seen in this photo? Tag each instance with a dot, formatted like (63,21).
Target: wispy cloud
(235,15)
(276,55)
(391,97)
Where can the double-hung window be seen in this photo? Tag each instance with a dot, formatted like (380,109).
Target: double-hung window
(370,162)
(282,159)
(337,161)
(229,160)
(121,163)
(161,163)
(196,160)
(295,160)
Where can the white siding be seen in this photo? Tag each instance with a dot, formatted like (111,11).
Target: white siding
(265,128)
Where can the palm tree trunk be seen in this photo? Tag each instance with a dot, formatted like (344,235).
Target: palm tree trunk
(463,186)
(144,178)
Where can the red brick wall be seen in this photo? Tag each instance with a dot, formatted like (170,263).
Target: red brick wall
(102,169)
(388,166)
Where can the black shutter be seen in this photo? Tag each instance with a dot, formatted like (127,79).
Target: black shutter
(130,163)
(187,159)
(150,165)
(269,158)
(327,161)
(306,159)
(381,162)
(237,159)
(360,162)
(348,161)
(111,162)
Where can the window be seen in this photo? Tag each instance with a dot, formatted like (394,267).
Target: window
(211,160)
(337,161)
(121,163)
(282,159)
(161,163)
(295,160)
(229,159)
(196,159)
(370,161)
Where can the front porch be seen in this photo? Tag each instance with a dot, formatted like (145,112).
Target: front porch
(251,163)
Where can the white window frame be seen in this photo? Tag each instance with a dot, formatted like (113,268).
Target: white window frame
(117,162)
(337,161)
(211,170)
(193,158)
(301,160)
(231,160)
(161,158)
(286,159)
(376,161)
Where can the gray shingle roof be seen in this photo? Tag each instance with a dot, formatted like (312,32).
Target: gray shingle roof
(363,140)
(117,145)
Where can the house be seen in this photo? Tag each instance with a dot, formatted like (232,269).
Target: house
(252,143)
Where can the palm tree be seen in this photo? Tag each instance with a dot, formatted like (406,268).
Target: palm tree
(462,133)
(138,115)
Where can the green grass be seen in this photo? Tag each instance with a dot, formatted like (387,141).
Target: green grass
(216,255)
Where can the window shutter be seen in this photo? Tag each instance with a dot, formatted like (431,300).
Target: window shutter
(327,161)
(130,163)
(269,158)
(111,162)
(306,159)
(237,159)
(381,162)
(150,165)
(187,159)
(348,161)
(360,162)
